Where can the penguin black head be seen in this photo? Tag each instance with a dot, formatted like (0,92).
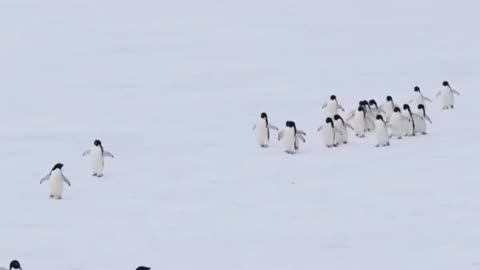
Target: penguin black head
(379,117)
(263,115)
(416,89)
(421,107)
(396,109)
(57,166)
(143,268)
(333,97)
(389,98)
(337,117)
(328,120)
(372,102)
(360,103)
(15,265)
(97,143)
(445,83)
(406,107)
(360,108)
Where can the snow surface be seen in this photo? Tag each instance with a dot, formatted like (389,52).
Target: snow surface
(172,88)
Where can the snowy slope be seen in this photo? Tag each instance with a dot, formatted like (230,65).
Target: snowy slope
(172,88)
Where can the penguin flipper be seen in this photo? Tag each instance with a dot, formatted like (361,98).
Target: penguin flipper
(107,154)
(65,179)
(280,135)
(340,107)
(87,152)
(254,127)
(301,132)
(456,92)
(438,94)
(428,118)
(270,126)
(300,136)
(45,178)
(324,105)
(320,128)
(349,126)
(427,99)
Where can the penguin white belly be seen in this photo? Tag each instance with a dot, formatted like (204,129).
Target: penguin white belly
(343,137)
(418,100)
(447,98)
(408,126)
(289,140)
(332,109)
(262,133)
(359,124)
(56,184)
(420,125)
(96,160)
(328,135)
(381,133)
(388,111)
(397,125)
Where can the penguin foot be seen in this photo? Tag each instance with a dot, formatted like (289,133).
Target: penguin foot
(345,142)
(263,145)
(378,145)
(99,175)
(51,196)
(451,107)
(424,133)
(94,174)
(388,144)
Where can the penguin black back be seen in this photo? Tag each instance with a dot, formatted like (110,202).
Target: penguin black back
(98,143)
(422,108)
(15,265)
(264,116)
(329,120)
(57,166)
(338,117)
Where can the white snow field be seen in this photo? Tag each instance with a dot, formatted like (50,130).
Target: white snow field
(173,88)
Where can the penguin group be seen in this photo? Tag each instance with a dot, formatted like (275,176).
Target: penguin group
(15,265)
(386,121)
(56,178)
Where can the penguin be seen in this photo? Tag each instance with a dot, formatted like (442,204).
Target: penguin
(388,107)
(360,121)
(421,120)
(97,155)
(332,106)
(14,265)
(397,123)
(419,97)
(143,268)
(291,137)
(342,137)
(330,133)
(409,126)
(262,128)
(447,94)
(56,179)
(381,131)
